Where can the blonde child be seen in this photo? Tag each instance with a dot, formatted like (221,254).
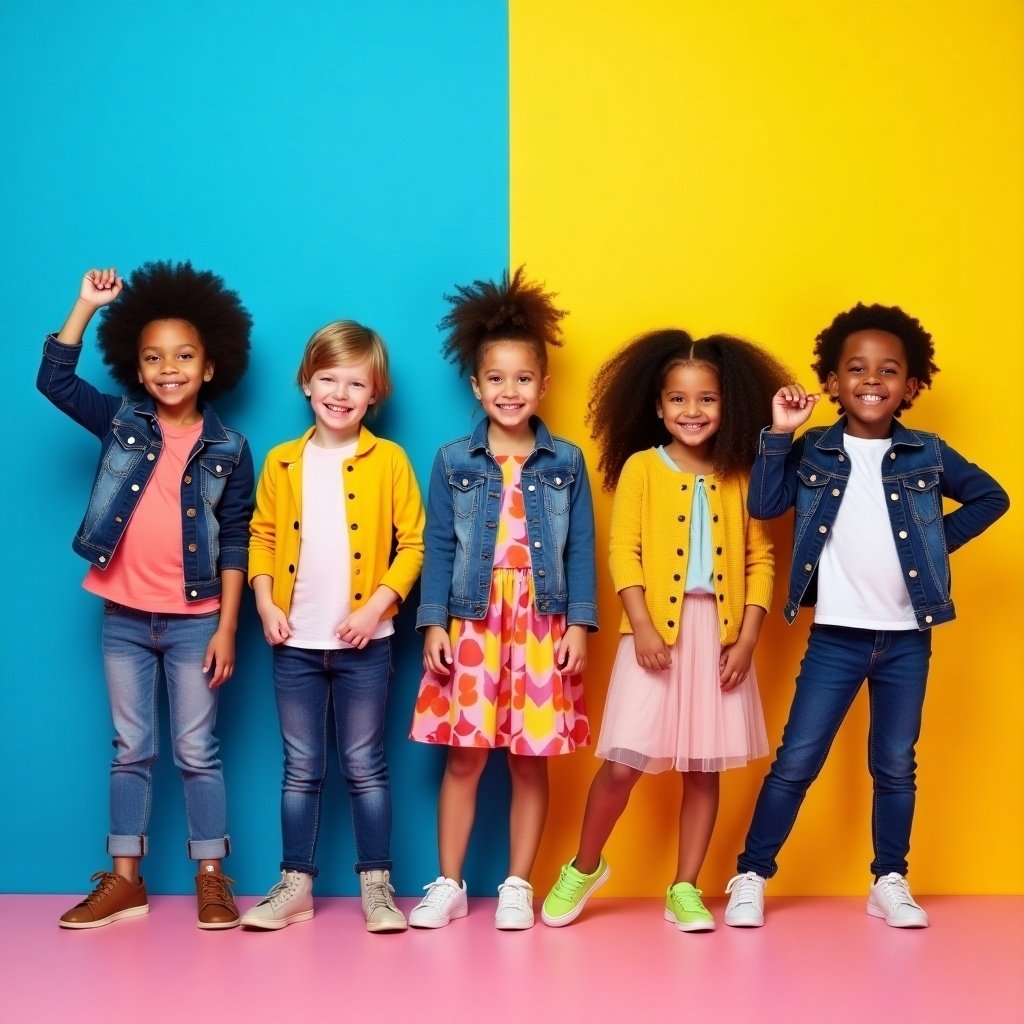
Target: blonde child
(166,537)
(677,422)
(508,592)
(336,546)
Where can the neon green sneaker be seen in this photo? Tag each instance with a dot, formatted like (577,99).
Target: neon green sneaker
(684,908)
(570,893)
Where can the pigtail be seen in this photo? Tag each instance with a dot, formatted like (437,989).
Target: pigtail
(512,309)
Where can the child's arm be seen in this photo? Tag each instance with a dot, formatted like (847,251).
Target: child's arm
(58,379)
(275,623)
(736,658)
(359,626)
(982,500)
(651,651)
(438,562)
(220,653)
(772,489)
(262,551)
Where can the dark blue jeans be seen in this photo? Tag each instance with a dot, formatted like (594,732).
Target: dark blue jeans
(838,660)
(348,688)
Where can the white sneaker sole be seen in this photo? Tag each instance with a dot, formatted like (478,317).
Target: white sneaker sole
(262,924)
(690,926)
(438,922)
(520,925)
(878,912)
(746,921)
(382,927)
(121,915)
(561,922)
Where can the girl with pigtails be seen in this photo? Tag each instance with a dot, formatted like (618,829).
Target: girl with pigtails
(508,591)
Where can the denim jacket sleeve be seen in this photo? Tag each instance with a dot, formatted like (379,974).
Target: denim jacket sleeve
(581,573)
(234,512)
(773,477)
(58,380)
(439,549)
(982,501)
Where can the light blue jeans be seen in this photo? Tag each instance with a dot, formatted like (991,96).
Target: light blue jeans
(137,648)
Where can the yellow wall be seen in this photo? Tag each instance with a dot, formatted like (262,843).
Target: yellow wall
(756,167)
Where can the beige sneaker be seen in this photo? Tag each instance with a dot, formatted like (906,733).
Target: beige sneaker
(289,902)
(113,899)
(378,902)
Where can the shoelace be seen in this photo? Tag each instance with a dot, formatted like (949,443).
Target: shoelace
(378,896)
(282,892)
(569,884)
(689,900)
(513,897)
(747,886)
(106,881)
(213,888)
(437,894)
(896,889)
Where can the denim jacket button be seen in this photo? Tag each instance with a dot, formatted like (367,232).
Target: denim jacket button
(808,567)
(187,478)
(135,487)
(912,574)
(894,496)
(540,572)
(558,481)
(219,469)
(814,478)
(193,593)
(193,548)
(836,492)
(103,558)
(536,543)
(822,529)
(150,456)
(892,455)
(903,534)
(841,458)
(131,440)
(532,487)
(927,618)
(191,513)
(465,482)
(921,483)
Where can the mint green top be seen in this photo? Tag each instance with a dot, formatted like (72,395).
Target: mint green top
(699,568)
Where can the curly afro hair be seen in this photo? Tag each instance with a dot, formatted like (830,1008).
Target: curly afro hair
(917,342)
(175,291)
(622,410)
(513,309)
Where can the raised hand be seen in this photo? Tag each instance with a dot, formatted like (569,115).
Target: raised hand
(101,287)
(792,407)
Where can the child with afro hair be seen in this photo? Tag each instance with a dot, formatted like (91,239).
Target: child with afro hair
(871,551)
(166,535)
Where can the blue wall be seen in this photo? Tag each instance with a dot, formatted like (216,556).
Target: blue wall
(328,159)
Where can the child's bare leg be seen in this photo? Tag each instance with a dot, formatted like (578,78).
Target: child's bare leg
(456,807)
(607,799)
(128,868)
(528,813)
(697,814)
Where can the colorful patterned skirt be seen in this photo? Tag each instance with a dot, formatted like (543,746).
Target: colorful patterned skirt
(505,689)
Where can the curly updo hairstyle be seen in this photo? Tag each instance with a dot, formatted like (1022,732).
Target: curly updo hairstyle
(917,342)
(175,291)
(622,412)
(512,309)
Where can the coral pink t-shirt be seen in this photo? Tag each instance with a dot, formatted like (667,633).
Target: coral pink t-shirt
(146,571)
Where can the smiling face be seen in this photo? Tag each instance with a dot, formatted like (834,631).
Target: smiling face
(870,382)
(340,397)
(172,368)
(690,406)
(509,383)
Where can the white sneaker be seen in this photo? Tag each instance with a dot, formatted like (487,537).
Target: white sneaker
(379,908)
(515,905)
(445,901)
(289,902)
(890,898)
(746,901)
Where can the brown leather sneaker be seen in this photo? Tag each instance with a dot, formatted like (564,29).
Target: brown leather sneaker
(113,899)
(216,904)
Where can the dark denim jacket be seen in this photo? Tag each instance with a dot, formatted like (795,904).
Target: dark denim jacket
(216,488)
(463,506)
(918,471)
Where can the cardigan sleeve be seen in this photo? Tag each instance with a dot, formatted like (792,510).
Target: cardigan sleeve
(407,519)
(624,545)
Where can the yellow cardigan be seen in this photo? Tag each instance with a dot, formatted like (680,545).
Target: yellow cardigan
(650,544)
(384,509)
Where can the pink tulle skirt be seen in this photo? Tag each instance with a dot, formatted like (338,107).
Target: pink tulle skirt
(681,719)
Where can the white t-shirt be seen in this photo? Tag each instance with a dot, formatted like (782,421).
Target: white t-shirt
(860,581)
(322,596)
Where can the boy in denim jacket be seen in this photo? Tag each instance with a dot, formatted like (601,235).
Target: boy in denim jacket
(871,554)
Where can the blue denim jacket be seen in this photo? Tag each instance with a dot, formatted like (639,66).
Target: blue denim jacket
(463,506)
(216,488)
(919,469)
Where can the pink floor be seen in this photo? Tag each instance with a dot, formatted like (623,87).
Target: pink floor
(820,961)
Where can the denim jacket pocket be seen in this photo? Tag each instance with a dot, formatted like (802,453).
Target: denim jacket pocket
(123,455)
(556,489)
(812,486)
(466,490)
(923,496)
(214,477)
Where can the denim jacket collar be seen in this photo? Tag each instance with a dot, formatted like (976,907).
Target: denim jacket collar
(478,439)
(213,429)
(832,439)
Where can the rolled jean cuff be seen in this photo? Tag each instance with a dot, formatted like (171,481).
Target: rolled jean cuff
(297,865)
(372,865)
(209,849)
(127,846)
